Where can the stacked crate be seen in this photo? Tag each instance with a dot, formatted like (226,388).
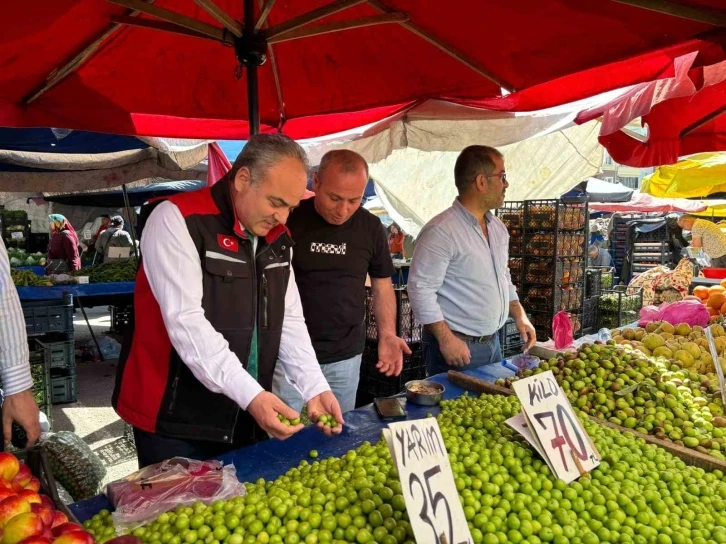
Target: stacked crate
(649,254)
(372,382)
(553,261)
(597,280)
(512,215)
(49,326)
(15,228)
(619,240)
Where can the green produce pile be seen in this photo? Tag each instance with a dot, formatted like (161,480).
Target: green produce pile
(638,494)
(647,394)
(616,309)
(14,214)
(25,278)
(109,272)
(19,257)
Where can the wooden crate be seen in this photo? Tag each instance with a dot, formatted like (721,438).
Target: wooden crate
(690,457)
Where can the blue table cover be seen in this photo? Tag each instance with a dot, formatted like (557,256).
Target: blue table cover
(80,290)
(271,458)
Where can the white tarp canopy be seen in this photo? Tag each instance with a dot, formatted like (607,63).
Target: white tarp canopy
(412,156)
(37,163)
(415,185)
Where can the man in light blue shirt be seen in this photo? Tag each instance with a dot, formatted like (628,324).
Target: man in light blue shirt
(459,284)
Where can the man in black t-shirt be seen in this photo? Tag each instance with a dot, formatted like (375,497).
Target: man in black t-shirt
(337,244)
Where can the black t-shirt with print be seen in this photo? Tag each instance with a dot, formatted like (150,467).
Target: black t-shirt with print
(330,264)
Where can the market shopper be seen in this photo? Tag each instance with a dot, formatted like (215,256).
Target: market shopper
(18,405)
(215,305)
(339,243)
(459,284)
(713,238)
(63,253)
(395,242)
(114,236)
(599,256)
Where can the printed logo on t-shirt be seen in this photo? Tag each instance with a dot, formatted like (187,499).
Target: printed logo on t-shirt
(333,249)
(229,243)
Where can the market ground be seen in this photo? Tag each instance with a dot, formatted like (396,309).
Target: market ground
(92,417)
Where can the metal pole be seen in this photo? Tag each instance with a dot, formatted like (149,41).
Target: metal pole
(253,90)
(136,249)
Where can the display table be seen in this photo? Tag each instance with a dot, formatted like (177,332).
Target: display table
(272,458)
(400,276)
(707,282)
(92,294)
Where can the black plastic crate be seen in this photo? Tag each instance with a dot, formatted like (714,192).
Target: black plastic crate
(657,235)
(374,384)
(63,388)
(590,314)
(550,244)
(516,245)
(512,215)
(515,270)
(510,339)
(55,354)
(121,317)
(48,316)
(619,307)
(553,299)
(564,215)
(406,325)
(542,272)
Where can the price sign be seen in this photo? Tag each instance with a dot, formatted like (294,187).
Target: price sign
(519,423)
(716,363)
(16,235)
(567,448)
(427,482)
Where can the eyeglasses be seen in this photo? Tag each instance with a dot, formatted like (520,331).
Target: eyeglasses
(502,175)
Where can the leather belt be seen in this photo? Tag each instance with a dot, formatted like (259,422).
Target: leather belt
(473,339)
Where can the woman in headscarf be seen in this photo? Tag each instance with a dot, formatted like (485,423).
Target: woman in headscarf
(63,245)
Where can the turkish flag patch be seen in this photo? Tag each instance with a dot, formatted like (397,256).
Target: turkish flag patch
(230,243)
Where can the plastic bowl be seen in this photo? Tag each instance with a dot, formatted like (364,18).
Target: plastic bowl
(715,273)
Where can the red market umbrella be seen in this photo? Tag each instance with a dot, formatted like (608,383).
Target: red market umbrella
(194,68)
(641,202)
(683,115)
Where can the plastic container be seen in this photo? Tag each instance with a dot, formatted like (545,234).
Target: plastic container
(48,316)
(714,273)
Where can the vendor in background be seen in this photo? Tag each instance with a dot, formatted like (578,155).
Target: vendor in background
(395,242)
(713,240)
(19,404)
(63,253)
(338,243)
(216,305)
(599,256)
(459,285)
(114,236)
(105,222)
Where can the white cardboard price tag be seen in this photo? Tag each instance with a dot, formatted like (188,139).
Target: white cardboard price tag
(427,482)
(716,363)
(16,235)
(567,448)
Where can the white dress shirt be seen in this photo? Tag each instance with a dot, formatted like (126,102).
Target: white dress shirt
(14,364)
(174,270)
(460,276)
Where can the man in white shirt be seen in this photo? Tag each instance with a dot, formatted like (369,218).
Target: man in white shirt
(215,305)
(19,405)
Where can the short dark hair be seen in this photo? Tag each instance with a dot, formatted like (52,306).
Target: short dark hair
(262,151)
(349,161)
(472,161)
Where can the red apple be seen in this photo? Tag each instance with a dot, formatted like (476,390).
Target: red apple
(66,528)
(75,537)
(45,513)
(47,501)
(33,484)
(5,493)
(11,507)
(9,466)
(38,539)
(12,486)
(21,527)
(23,476)
(59,518)
(30,496)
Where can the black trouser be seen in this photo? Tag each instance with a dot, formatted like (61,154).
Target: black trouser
(152,448)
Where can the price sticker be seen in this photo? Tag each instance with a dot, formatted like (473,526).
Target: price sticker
(716,363)
(427,482)
(16,235)
(567,447)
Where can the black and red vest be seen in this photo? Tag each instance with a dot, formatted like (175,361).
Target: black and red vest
(155,391)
